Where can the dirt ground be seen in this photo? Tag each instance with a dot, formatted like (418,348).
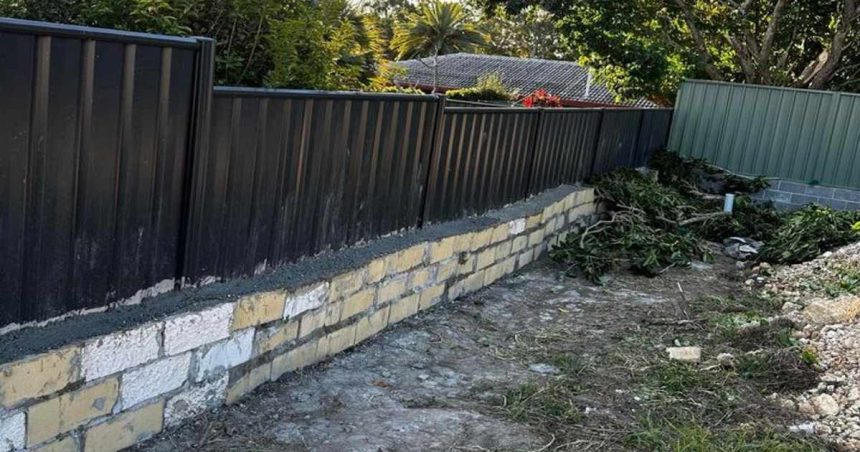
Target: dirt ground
(463,375)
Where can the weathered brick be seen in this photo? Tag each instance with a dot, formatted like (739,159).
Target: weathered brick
(519,243)
(503,250)
(486,258)
(441,250)
(420,277)
(536,237)
(405,307)
(306,299)
(126,429)
(481,239)
(447,269)
(431,296)
(533,221)
(39,376)
(341,340)
(392,289)
(406,259)
(273,337)
(346,284)
(371,324)
(195,400)
(492,274)
(517,226)
(358,303)
(154,379)
(586,196)
(259,308)
(466,265)
(250,381)
(375,271)
(539,250)
(333,312)
(500,233)
(474,282)
(312,321)
(119,351)
(462,242)
(525,258)
(298,358)
(190,331)
(457,290)
(510,265)
(61,414)
(64,444)
(224,355)
(12,431)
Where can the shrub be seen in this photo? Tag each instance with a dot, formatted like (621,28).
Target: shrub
(808,232)
(489,88)
(541,98)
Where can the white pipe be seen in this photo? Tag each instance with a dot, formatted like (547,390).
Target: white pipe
(729,203)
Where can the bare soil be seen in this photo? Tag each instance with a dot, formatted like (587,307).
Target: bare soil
(463,375)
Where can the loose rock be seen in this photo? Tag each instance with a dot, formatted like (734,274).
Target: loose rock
(686,354)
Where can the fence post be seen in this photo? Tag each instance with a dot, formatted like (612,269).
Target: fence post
(433,163)
(196,157)
(533,154)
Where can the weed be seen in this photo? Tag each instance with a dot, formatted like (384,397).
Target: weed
(786,369)
(809,231)
(549,404)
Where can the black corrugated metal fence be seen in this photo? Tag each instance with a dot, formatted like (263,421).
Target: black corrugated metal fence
(123,170)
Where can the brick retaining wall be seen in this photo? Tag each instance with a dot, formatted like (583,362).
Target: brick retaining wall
(112,391)
(787,195)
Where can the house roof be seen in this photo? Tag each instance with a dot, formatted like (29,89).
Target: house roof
(566,79)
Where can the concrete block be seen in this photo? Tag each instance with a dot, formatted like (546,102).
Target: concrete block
(12,431)
(392,289)
(420,277)
(503,250)
(441,250)
(252,380)
(224,355)
(500,233)
(300,357)
(65,444)
(445,270)
(474,282)
(195,400)
(312,321)
(430,296)
(52,417)
(358,303)
(481,239)
(375,271)
(346,284)
(486,258)
(371,324)
(259,308)
(517,226)
(306,299)
(791,187)
(268,339)
(519,243)
(406,259)
(126,429)
(536,237)
(405,307)
(39,376)
(819,191)
(190,331)
(119,351)
(466,264)
(341,339)
(154,379)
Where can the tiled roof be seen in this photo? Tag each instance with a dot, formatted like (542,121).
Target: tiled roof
(565,79)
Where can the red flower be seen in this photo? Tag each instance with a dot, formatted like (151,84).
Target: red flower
(541,98)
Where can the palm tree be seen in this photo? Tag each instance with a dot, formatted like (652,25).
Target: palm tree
(437,28)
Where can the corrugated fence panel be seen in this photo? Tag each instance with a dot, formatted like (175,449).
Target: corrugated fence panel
(801,135)
(565,148)
(94,135)
(616,145)
(482,161)
(653,135)
(291,173)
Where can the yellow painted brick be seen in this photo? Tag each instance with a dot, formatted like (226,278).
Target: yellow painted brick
(431,296)
(322,347)
(536,237)
(392,289)
(486,258)
(126,429)
(510,265)
(443,249)
(481,239)
(493,273)
(66,444)
(61,414)
(503,250)
(357,303)
(271,338)
(569,201)
(474,282)
(533,221)
(525,258)
(333,312)
(447,269)
(297,358)
(546,214)
(519,243)
(466,265)
(406,259)
(586,196)
(419,278)
(258,309)
(346,284)
(457,290)
(500,232)
(463,242)
(341,339)
(39,376)
(371,324)
(250,381)
(405,307)
(375,271)
(312,321)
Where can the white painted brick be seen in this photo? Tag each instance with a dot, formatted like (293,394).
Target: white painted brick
(111,354)
(224,355)
(190,331)
(154,379)
(195,400)
(517,226)
(306,300)
(12,432)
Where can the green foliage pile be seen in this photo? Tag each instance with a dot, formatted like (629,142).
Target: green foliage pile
(489,88)
(657,223)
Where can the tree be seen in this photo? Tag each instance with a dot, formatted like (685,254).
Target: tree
(647,46)
(528,33)
(437,28)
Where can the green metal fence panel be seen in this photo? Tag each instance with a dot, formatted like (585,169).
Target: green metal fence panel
(794,134)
